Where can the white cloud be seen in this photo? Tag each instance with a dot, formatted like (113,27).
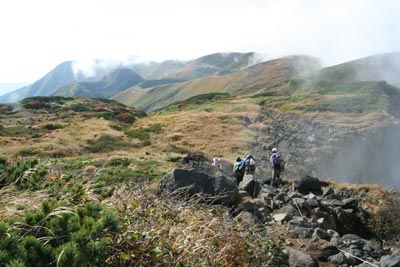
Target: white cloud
(38,35)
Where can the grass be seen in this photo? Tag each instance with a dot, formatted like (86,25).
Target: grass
(348,104)
(74,227)
(106,143)
(166,230)
(204,101)
(357,97)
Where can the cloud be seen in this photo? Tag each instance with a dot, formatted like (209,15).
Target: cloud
(91,67)
(39,35)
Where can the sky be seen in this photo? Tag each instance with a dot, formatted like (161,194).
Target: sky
(38,35)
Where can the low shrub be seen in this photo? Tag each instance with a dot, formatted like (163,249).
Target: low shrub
(115,162)
(140,134)
(59,235)
(106,143)
(17,172)
(27,152)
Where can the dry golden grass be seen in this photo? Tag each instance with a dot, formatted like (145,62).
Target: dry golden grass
(13,200)
(372,196)
(67,141)
(185,233)
(216,132)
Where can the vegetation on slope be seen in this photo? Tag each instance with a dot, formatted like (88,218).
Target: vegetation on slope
(266,76)
(98,164)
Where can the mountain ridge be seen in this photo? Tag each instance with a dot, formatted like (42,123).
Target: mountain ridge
(118,80)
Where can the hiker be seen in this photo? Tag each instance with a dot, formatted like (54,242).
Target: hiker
(277,165)
(249,164)
(238,170)
(216,162)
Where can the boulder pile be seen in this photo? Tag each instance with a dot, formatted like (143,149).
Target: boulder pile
(331,227)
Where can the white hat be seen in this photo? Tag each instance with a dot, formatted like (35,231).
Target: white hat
(274,150)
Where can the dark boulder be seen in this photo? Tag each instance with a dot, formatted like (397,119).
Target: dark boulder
(213,184)
(308,184)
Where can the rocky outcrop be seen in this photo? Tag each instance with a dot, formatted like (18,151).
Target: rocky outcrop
(330,225)
(250,185)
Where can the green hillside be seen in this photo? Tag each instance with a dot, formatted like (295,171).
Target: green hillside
(263,77)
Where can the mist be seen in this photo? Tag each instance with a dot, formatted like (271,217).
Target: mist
(371,158)
(99,67)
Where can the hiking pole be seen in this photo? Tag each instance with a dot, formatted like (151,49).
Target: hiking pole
(297,206)
(357,257)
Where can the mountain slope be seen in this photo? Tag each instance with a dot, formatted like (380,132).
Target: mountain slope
(113,83)
(197,68)
(385,67)
(59,76)
(262,77)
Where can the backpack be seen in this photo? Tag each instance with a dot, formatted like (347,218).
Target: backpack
(279,162)
(250,165)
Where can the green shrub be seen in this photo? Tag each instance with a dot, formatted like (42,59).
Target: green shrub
(16,263)
(17,130)
(140,134)
(6,109)
(3,161)
(154,128)
(27,152)
(33,178)
(57,235)
(117,126)
(115,162)
(14,173)
(106,143)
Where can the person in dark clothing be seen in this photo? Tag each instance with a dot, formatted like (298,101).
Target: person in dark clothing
(276,167)
(238,170)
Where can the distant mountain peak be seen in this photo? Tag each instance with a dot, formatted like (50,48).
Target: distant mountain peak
(61,75)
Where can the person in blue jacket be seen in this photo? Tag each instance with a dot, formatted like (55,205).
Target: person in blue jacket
(238,170)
